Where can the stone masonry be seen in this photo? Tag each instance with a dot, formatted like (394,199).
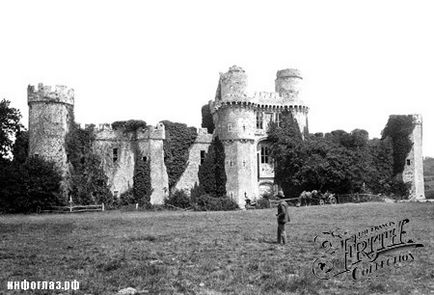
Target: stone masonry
(413,169)
(240,119)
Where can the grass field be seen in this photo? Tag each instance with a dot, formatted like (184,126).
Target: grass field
(205,252)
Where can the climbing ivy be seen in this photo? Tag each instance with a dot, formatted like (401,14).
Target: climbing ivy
(87,180)
(142,188)
(130,125)
(179,139)
(399,128)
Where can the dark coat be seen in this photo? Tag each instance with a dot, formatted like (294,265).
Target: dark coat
(282,213)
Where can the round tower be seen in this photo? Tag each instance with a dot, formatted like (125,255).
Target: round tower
(233,84)
(50,119)
(289,83)
(234,118)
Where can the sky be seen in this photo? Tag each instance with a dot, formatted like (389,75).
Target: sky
(160,60)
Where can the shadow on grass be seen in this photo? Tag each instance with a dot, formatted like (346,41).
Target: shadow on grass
(267,241)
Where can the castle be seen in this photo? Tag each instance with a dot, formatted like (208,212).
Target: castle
(240,121)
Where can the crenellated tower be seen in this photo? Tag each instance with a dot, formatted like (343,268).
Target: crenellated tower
(50,119)
(242,121)
(234,117)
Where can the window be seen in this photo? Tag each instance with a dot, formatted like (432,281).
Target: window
(265,155)
(259,120)
(202,157)
(115,155)
(278,119)
(408,162)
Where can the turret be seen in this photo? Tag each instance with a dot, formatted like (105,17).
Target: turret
(50,118)
(234,118)
(233,84)
(288,83)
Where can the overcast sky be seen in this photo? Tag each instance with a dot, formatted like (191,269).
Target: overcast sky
(361,60)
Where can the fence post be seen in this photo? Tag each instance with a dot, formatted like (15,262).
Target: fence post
(70,204)
(102,207)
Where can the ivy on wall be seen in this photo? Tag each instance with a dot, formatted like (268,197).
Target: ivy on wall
(399,128)
(142,188)
(130,125)
(179,139)
(87,180)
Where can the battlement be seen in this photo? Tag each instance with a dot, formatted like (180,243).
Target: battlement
(105,131)
(266,96)
(46,93)
(289,73)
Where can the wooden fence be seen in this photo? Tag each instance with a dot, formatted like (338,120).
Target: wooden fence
(75,209)
(358,198)
(344,198)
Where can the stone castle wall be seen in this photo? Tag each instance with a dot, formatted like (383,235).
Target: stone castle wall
(235,114)
(190,176)
(413,168)
(242,120)
(50,119)
(131,147)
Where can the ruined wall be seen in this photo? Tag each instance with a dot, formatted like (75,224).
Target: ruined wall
(50,118)
(132,147)
(150,144)
(120,172)
(413,168)
(190,176)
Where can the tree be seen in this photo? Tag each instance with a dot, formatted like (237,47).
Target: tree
(212,174)
(9,126)
(20,148)
(207,120)
(398,128)
(27,187)
(286,145)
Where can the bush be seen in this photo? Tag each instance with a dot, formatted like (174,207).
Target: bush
(29,186)
(262,203)
(399,188)
(429,194)
(208,203)
(130,125)
(178,199)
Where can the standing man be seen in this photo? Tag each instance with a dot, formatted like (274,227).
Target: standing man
(282,219)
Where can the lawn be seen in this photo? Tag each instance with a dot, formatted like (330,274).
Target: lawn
(205,252)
